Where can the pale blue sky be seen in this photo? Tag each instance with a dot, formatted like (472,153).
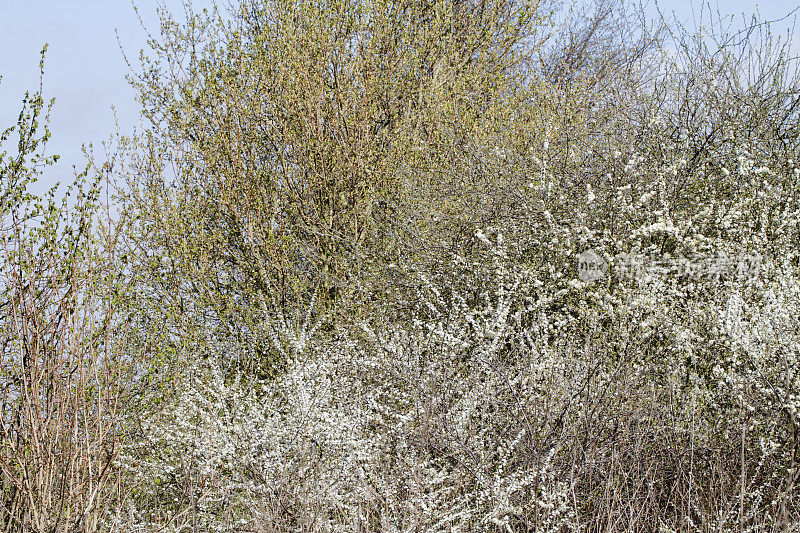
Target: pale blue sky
(85,70)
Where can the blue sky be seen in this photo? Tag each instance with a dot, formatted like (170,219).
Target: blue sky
(85,69)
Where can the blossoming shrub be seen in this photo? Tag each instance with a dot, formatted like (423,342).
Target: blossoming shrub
(495,414)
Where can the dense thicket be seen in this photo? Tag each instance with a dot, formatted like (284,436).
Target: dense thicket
(415,265)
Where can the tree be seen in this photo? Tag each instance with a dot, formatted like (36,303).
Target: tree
(298,134)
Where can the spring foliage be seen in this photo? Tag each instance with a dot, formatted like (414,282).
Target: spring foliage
(339,287)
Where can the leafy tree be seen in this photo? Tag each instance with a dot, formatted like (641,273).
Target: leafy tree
(299,135)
